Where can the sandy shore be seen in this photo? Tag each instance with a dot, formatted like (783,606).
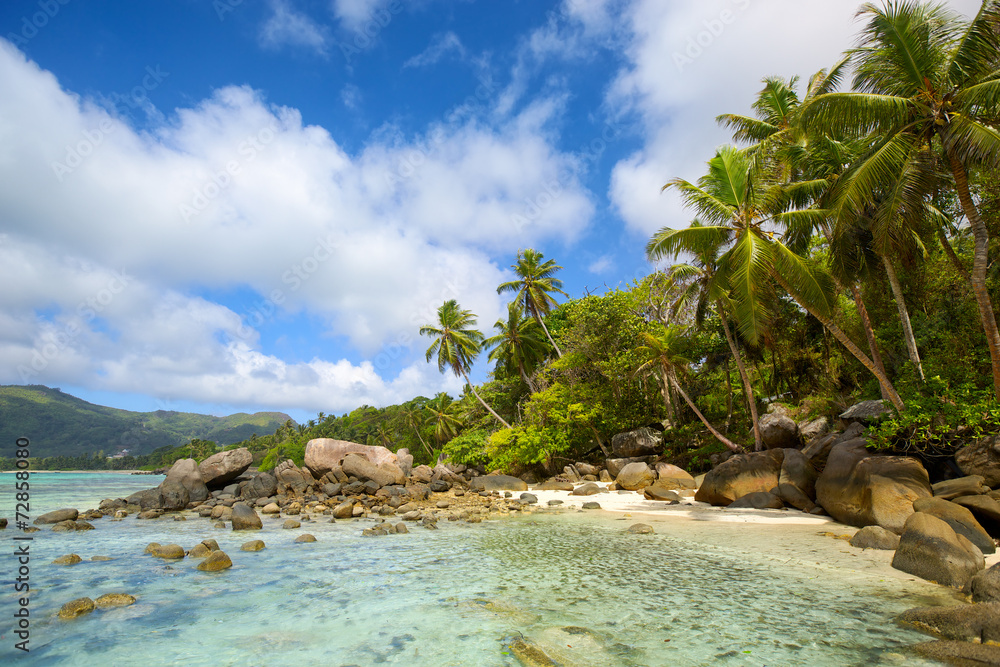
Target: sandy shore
(788,537)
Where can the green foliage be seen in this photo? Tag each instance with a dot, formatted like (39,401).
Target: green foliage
(468,448)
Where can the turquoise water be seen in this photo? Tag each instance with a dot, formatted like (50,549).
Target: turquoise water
(574,583)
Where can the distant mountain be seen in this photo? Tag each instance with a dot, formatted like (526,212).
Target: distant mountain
(62,425)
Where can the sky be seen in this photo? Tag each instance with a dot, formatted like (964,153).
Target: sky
(239,205)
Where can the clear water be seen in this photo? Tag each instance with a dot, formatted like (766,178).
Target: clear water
(575,584)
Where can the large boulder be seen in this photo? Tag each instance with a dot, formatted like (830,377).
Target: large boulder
(740,475)
(810,431)
(325,454)
(173,495)
(985,509)
(290,477)
(931,550)
(670,476)
(779,431)
(978,623)
(818,450)
(615,466)
(385,474)
(643,441)
(245,518)
(147,500)
(404,459)
(635,476)
(185,472)
(422,474)
(866,411)
(960,519)
(863,490)
(68,514)
(970,485)
(985,586)
(262,485)
(981,458)
(220,469)
(497,483)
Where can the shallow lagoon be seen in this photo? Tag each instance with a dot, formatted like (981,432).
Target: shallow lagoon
(575,583)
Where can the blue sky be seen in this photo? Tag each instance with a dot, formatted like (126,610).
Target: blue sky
(254,205)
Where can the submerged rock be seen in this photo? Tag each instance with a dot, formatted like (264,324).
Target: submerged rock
(305,537)
(68,559)
(253,545)
(109,600)
(56,516)
(76,608)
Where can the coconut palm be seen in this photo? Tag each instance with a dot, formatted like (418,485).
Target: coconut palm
(663,353)
(457,344)
(926,86)
(705,288)
(412,414)
(748,215)
(534,287)
(443,416)
(519,346)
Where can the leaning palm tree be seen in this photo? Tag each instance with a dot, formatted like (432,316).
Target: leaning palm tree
(749,215)
(534,287)
(706,288)
(412,415)
(663,355)
(518,347)
(456,344)
(926,81)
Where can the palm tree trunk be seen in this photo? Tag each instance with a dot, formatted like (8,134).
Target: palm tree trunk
(488,408)
(904,316)
(729,397)
(421,439)
(980,261)
(758,443)
(548,335)
(721,438)
(665,390)
(866,322)
(527,380)
(948,250)
(894,398)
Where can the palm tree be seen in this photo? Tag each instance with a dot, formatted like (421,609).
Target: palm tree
(534,287)
(442,414)
(519,345)
(663,355)
(456,345)
(412,413)
(748,213)
(706,288)
(926,81)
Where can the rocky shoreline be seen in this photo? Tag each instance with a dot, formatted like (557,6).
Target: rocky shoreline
(940,532)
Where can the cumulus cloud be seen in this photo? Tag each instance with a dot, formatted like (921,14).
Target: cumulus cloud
(690,62)
(354,13)
(238,193)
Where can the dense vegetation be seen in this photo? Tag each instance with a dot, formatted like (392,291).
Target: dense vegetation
(838,251)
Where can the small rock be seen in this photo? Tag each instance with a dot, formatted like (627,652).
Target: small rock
(290,524)
(253,545)
(100,558)
(875,537)
(592,506)
(199,551)
(270,508)
(640,529)
(76,608)
(529,498)
(217,560)
(69,559)
(401,528)
(305,537)
(553,503)
(588,489)
(114,600)
(211,544)
(985,586)
(169,551)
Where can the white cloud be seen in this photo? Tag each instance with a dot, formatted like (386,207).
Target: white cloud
(602,264)
(688,63)
(287,27)
(351,96)
(234,192)
(441,46)
(354,13)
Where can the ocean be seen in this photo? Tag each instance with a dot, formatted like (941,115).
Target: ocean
(574,584)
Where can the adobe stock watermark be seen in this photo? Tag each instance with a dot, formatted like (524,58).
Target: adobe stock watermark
(30,25)
(590,154)
(223,177)
(93,138)
(294,277)
(366,33)
(53,344)
(223,7)
(704,39)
